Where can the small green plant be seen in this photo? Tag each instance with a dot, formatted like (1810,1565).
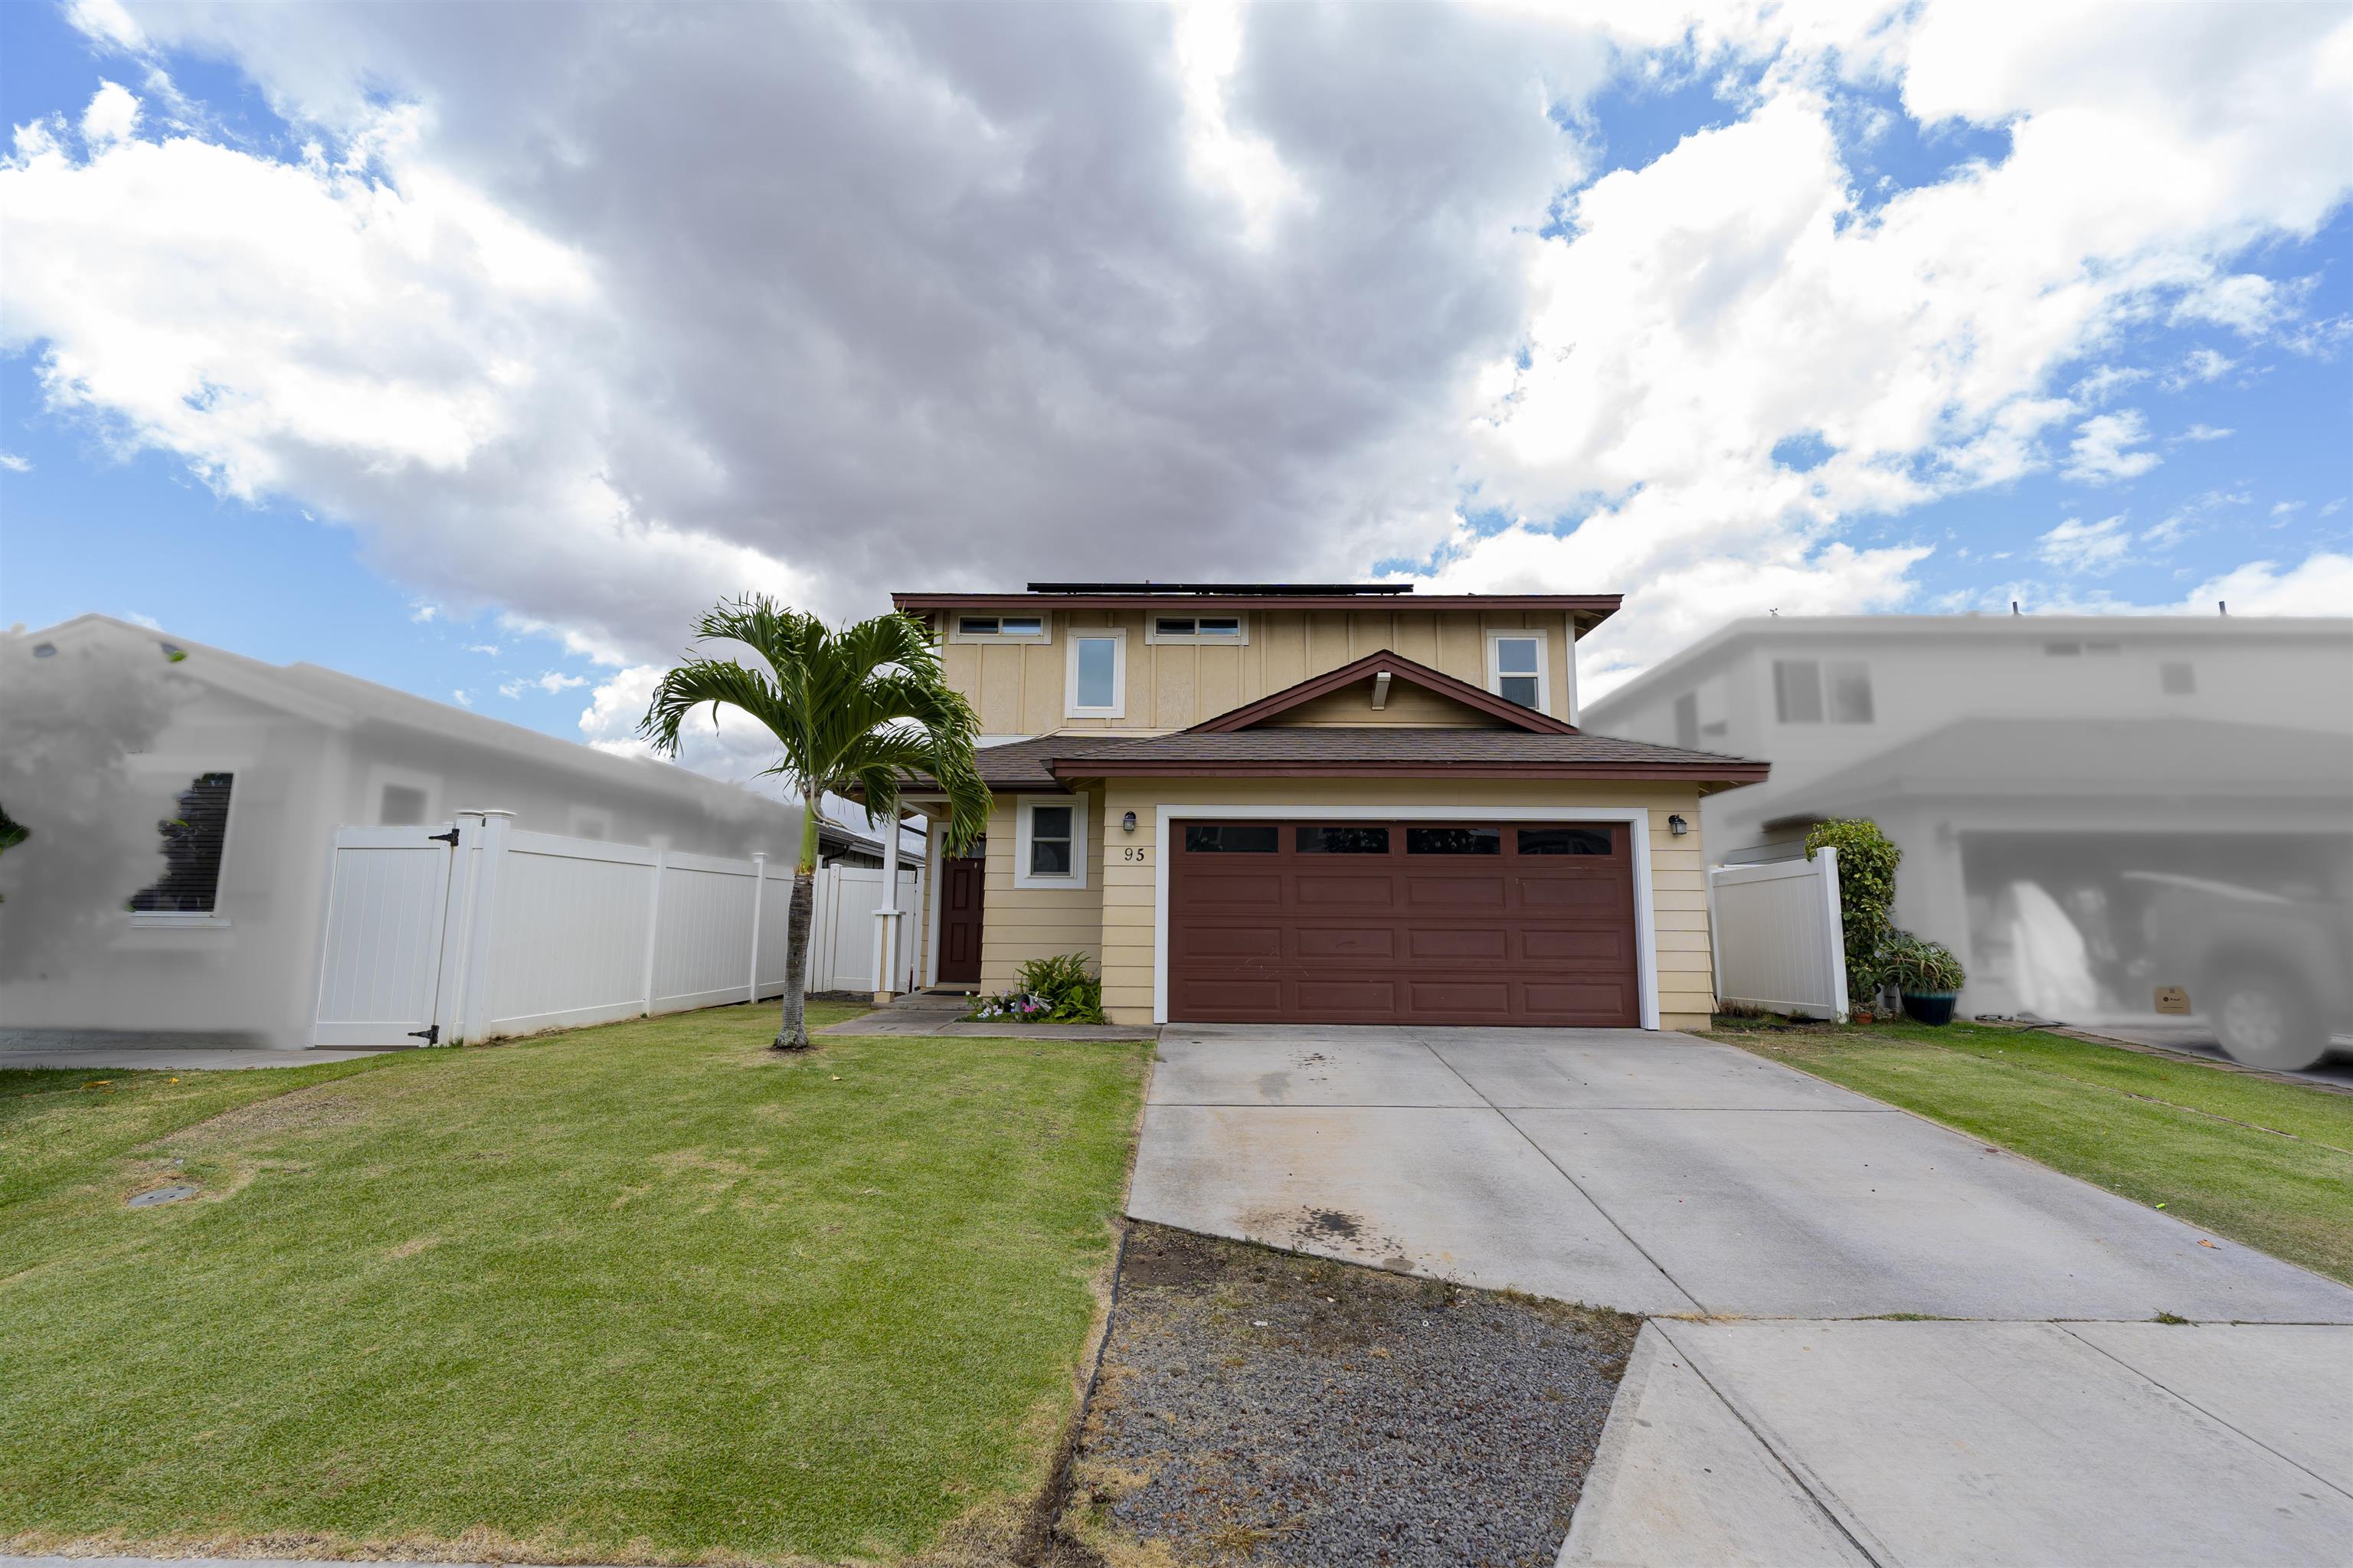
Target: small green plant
(1058,990)
(1917,966)
(1866,873)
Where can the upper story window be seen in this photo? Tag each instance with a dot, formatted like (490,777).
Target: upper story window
(1516,669)
(1807,690)
(999,628)
(1096,686)
(1233,629)
(193,845)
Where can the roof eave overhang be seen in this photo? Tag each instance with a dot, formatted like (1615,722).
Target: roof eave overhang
(1252,714)
(1720,775)
(1590,608)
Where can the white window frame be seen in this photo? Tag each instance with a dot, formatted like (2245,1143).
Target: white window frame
(1637,834)
(383,773)
(1543,641)
(1117,635)
(1153,636)
(1040,638)
(1024,806)
(152,769)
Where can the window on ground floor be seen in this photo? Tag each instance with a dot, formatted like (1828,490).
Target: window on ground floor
(195,839)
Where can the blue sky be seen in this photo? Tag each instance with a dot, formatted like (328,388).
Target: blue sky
(2179,438)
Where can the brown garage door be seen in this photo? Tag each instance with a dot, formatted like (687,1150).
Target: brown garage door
(1464,922)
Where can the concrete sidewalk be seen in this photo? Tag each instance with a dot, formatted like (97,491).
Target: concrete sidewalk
(1790,1445)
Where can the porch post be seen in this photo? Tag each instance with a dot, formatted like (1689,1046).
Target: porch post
(886,915)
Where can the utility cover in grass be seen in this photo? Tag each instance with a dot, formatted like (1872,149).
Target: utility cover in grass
(170,1194)
(1262,1407)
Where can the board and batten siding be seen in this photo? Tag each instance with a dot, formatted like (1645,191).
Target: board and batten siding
(1018,924)
(1678,867)
(1020,687)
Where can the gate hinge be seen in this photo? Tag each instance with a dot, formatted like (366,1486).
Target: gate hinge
(430,1034)
(450,838)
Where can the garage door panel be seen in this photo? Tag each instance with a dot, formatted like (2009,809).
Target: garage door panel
(1221,941)
(1573,894)
(1576,945)
(1362,942)
(1433,1000)
(1457,943)
(1233,998)
(1483,933)
(1331,998)
(1435,893)
(1377,890)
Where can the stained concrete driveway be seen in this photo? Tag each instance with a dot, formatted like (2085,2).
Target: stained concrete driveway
(1761,1216)
(1656,1173)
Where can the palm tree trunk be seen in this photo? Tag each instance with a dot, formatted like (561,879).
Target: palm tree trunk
(792,1031)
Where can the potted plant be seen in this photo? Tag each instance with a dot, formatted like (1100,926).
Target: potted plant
(1927,975)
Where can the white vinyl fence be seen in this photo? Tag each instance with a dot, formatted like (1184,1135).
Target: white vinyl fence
(1778,945)
(475,930)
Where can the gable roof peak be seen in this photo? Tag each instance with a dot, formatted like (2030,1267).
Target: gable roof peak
(1398,667)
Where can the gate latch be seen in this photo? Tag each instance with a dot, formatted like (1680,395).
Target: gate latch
(430,1033)
(450,838)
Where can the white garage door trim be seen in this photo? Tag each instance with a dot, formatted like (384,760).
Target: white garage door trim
(1638,832)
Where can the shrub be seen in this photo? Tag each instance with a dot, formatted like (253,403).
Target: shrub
(1917,966)
(1866,873)
(1058,990)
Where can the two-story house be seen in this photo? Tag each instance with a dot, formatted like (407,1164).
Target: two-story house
(2048,778)
(1317,803)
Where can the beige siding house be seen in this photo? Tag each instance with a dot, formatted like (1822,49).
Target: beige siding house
(1317,804)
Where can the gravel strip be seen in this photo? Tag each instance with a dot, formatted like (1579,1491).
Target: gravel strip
(1260,1407)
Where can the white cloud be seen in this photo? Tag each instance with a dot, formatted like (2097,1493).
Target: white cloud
(422,613)
(2171,531)
(2286,508)
(2321,585)
(149,621)
(2202,433)
(2076,546)
(551,682)
(490,648)
(462,699)
(15,464)
(1120,291)
(2100,452)
(2198,366)
(112,116)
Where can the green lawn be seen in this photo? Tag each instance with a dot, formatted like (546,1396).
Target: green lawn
(641,1292)
(2265,1163)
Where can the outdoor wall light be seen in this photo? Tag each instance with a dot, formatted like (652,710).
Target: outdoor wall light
(1677,826)
(1127,823)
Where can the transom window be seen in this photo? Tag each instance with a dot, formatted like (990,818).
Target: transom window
(1197,628)
(1515,668)
(1454,840)
(1001,628)
(1344,839)
(1565,841)
(1232,838)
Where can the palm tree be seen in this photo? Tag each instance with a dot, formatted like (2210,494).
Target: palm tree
(853,712)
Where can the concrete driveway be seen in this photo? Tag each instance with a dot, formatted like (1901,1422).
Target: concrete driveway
(1762,1218)
(1658,1174)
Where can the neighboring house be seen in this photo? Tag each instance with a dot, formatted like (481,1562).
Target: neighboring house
(2043,775)
(271,761)
(1317,803)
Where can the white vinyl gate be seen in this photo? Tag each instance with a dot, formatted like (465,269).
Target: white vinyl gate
(476,930)
(1779,941)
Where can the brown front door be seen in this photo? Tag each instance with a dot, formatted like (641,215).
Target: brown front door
(960,888)
(1464,922)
